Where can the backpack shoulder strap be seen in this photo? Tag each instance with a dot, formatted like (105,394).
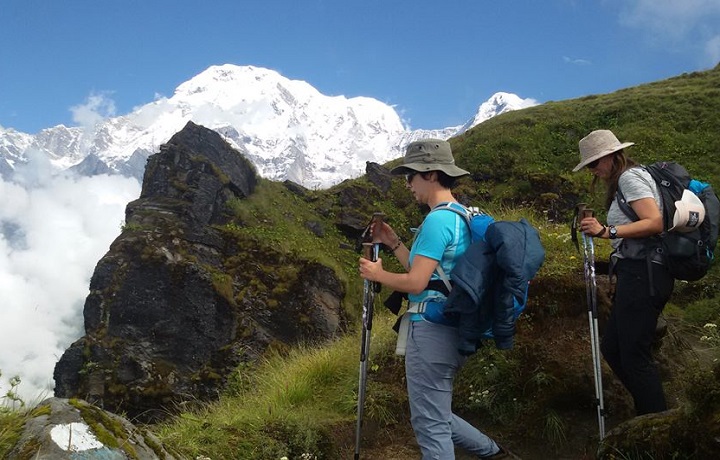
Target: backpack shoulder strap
(457,208)
(624,205)
(463,212)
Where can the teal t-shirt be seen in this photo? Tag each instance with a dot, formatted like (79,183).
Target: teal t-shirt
(443,236)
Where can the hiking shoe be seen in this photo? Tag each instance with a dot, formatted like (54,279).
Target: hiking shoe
(502,453)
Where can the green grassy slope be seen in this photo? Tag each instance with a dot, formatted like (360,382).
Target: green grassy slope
(520,164)
(301,403)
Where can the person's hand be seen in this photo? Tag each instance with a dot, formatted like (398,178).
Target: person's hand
(591,227)
(383,233)
(370,270)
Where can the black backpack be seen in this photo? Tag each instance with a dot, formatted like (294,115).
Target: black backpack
(687,255)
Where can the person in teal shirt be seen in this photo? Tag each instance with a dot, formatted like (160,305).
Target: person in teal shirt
(431,352)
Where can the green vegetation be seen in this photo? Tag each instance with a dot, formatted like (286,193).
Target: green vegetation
(12,417)
(526,156)
(300,402)
(292,404)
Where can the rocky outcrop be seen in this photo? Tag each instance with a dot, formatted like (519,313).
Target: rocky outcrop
(378,175)
(181,298)
(689,431)
(59,429)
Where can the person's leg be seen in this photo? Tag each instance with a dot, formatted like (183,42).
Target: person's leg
(610,345)
(429,376)
(471,439)
(636,320)
(431,362)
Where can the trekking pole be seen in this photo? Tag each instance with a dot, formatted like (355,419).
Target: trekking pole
(591,296)
(371,250)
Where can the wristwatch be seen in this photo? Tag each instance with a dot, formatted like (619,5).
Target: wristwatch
(613,232)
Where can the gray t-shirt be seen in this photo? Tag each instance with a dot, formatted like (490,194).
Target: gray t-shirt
(635,184)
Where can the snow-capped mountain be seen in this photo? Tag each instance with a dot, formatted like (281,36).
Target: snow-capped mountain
(286,127)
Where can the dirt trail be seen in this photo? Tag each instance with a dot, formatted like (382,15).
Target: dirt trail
(581,442)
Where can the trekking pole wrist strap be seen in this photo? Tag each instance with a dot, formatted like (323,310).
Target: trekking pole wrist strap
(601,232)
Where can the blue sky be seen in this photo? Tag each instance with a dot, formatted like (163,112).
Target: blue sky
(434,61)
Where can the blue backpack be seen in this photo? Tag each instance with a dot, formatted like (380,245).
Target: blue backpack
(478,221)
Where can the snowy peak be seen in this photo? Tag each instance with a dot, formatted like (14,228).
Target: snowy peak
(287,128)
(499,103)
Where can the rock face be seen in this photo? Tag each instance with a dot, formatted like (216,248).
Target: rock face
(171,311)
(689,431)
(73,429)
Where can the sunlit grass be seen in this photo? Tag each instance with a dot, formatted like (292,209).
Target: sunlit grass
(291,404)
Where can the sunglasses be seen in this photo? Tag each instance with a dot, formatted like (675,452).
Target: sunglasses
(593,164)
(410,176)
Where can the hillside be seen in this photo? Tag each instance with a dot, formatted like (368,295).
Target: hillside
(541,396)
(533,150)
(298,398)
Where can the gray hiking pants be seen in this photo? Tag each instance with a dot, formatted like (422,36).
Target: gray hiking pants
(431,362)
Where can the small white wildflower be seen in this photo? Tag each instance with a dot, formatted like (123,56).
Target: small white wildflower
(710,326)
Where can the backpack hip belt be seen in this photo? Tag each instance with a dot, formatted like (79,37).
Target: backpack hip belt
(413,309)
(414,312)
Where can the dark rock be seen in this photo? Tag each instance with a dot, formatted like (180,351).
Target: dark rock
(379,176)
(316,228)
(177,303)
(691,431)
(295,188)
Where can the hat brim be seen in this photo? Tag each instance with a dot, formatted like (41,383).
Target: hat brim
(599,155)
(450,170)
(688,205)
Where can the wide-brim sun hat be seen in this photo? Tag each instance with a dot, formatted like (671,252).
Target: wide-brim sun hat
(598,144)
(689,213)
(429,155)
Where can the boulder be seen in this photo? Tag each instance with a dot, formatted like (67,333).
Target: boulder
(61,429)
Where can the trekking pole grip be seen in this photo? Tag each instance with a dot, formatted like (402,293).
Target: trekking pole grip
(377,220)
(367,249)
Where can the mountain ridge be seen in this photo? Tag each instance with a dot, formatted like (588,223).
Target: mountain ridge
(287,128)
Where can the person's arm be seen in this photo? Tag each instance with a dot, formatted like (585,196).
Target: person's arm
(387,236)
(413,282)
(649,223)
(650,220)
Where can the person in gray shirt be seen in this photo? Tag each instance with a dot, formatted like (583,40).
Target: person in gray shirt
(643,285)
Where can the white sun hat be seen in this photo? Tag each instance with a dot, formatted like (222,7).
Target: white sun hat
(689,213)
(597,144)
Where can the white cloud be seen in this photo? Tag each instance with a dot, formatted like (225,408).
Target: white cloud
(53,231)
(693,24)
(712,49)
(576,61)
(97,108)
